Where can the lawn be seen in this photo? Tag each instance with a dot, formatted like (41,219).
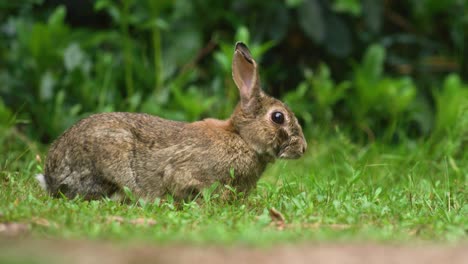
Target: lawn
(339,191)
(380,88)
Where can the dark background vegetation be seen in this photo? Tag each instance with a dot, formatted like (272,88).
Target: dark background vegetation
(381,70)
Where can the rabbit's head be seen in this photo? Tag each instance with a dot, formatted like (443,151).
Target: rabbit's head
(264,122)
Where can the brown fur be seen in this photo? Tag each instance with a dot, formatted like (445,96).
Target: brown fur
(153,157)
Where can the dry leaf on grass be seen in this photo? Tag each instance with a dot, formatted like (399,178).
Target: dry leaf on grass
(43,222)
(38,158)
(277,218)
(142,221)
(331,226)
(13,229)
(276,215)
(117,219)
(136,221)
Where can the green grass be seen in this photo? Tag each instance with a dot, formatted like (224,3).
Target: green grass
(338,192)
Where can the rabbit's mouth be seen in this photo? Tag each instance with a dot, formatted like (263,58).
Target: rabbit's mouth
(291,150)
(287,154)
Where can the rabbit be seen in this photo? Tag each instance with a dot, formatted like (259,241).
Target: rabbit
(104,153)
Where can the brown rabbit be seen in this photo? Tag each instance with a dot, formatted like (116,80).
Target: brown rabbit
(102,154)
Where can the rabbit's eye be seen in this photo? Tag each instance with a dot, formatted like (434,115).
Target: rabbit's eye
(277,117)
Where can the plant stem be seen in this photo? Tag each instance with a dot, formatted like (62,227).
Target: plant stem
(127,49)
(158,74)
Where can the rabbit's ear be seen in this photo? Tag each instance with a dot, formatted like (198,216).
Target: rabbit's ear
(245,74)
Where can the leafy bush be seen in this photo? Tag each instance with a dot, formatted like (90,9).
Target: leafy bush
(370,98)
(377,98)
(370,66)
(320,89)
(450,135)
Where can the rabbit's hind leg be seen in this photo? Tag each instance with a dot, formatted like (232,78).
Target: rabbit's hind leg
(83,183)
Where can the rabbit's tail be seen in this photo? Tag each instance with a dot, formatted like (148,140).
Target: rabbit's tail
(42,181)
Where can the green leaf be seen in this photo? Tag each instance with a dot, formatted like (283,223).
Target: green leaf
(57,17)
(373,61)
(377,192)
(46,87)
(73,57)
(311,20)
(449,103)
(293,3)
(232,173)
(102,4)
(5,114)
(111,7)
(352,7)
(372,14)
(338,37)
(243,35)
(129,194)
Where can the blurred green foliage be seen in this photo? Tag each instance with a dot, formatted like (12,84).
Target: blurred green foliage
(381,69)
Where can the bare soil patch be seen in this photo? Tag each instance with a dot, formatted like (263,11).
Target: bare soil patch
(78,252)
